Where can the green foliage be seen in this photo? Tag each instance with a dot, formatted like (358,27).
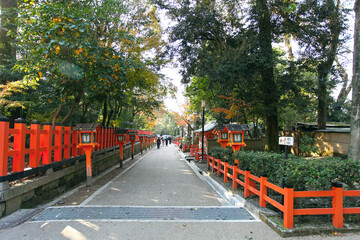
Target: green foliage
(304,174)
(318,174)
(93,54)
(307,145)
(225,154)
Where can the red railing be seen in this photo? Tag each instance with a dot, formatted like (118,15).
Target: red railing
(188,147)
(287,207)
(42,145)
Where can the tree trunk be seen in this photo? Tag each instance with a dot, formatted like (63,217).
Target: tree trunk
(325,67)
(7,50)
(55,116)
(267,75)
(104,113)
(354,146)
(346,88)
(72,109)
(322,99)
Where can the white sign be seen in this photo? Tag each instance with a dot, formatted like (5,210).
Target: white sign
(288,141)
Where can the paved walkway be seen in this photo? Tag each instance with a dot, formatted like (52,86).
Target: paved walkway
(159,197)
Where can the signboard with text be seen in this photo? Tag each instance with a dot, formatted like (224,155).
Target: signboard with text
(288,141)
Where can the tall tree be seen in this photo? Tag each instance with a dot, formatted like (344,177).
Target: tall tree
(7,33)
(270,93)
(354,145)
(233,51)
(86,52)
(321,25)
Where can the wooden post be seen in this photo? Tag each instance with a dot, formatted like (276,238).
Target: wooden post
(4,145)
(218,166)
(88,151)
(226,170)
(112,137)
(108,138)
(337,205)
(208,161)
(289,206)
(263,190)
(74,142)
(67,142)
(35,144)
(19,145)
(247,184)
(121,147)
(46,141)
(235,175)
(58,142)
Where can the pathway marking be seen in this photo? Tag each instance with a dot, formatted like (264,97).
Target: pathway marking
(145,213)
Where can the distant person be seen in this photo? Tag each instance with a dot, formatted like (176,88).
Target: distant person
(158,141)
(163,141)
(170,140)
(166,140)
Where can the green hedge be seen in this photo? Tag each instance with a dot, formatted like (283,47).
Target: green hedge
(304,174)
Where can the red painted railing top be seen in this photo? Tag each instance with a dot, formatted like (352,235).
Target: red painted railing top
(337,210)
(33,146)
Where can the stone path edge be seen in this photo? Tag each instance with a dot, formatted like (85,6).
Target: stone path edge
(233,199)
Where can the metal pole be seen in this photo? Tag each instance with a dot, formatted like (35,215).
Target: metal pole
(202,135)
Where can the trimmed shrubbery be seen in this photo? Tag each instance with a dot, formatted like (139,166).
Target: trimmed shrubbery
(304,174)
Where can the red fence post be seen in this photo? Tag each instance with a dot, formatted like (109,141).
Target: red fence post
(213,164)
(46,141)
(102,138)
(4,145)
(67,131)
(113,137)
(208,161)
(218,166)
(289,206)
(337,205)
(247,184)
(74,139)
(235,176)
(263,190)
(35,144)
(58,142)
(226,170)
(106,138)
(19,145)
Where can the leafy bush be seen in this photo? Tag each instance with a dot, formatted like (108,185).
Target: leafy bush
(320,173)
(307,146)
(226,154)
(304,174)
(216,152)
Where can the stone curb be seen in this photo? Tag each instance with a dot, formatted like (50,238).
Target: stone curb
(265,214)
(231,198)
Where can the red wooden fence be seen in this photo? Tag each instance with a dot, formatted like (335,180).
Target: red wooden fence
(337,193)
(47,145)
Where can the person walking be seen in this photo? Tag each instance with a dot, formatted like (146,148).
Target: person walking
(163,141)
(158,142)
(169,140)
(166,141)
